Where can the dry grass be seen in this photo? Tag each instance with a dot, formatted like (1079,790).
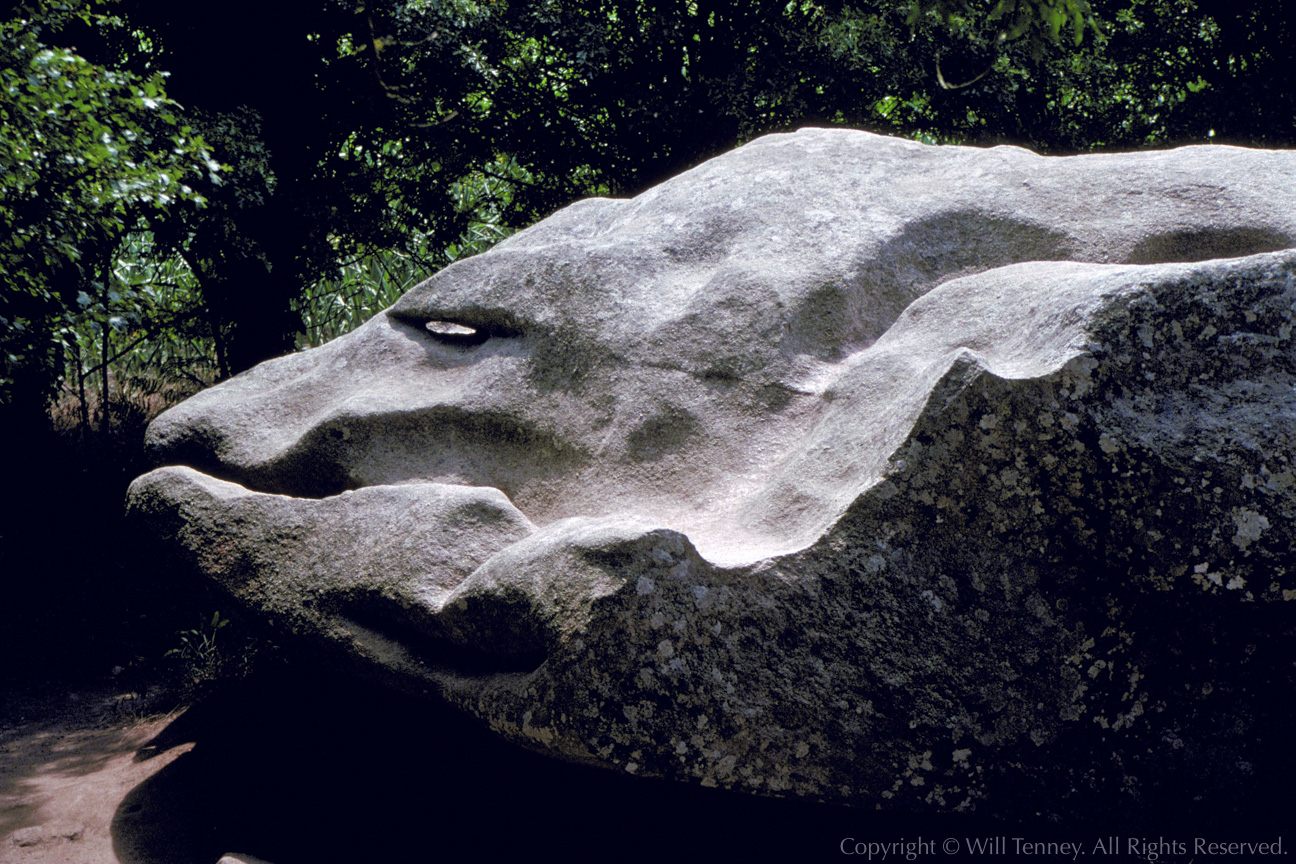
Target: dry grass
(132,404)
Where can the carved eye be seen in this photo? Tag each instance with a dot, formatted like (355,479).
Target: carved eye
(457,334)
(449,328)
(461,328)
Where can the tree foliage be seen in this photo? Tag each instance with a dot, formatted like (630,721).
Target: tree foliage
(86,152)
(361,135)
(375,113)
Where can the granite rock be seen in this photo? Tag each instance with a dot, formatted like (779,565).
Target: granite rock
(839,466)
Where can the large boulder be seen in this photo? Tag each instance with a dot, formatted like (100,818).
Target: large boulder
(839,466)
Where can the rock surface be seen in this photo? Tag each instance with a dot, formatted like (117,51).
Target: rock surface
(839,466)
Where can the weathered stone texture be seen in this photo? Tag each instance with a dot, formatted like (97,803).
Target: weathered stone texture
(840,466)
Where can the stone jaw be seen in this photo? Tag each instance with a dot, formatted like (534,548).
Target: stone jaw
(907,561)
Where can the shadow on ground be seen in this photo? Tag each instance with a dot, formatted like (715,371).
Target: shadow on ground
(300,771)
(293,769)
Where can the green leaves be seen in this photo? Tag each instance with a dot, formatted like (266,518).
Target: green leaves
(475,118)
(85,151)
(1039,23)
(199,653)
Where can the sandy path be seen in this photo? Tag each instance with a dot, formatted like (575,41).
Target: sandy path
(63,778)
(297,769)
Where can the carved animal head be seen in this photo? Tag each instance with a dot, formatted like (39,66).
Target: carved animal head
(670,356)
(782,412)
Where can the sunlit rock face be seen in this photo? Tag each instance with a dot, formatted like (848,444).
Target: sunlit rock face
(839,466)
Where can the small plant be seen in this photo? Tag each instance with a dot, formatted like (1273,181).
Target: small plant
(198,646)
(202,657)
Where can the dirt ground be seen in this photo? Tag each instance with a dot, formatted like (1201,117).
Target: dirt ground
(70,761)
(297,769)
(302,768)
(67,762)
